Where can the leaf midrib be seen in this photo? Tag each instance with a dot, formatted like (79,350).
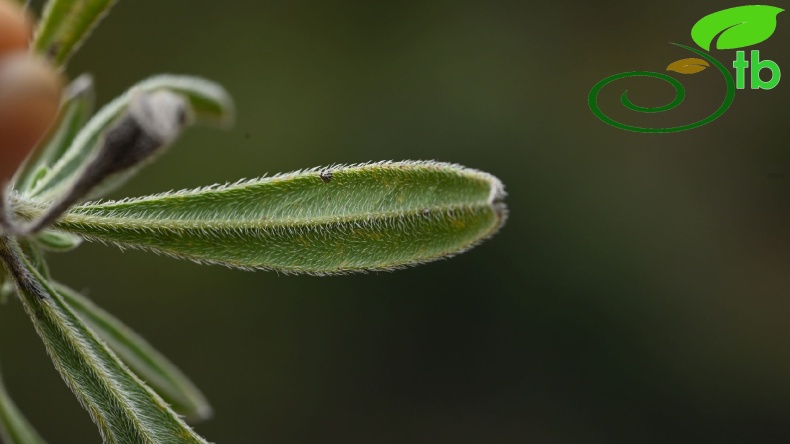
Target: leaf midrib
(225,224)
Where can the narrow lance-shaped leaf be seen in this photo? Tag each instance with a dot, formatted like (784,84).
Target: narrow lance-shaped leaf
(58,241)
(208,102)
(154,120)
(739,27)
(154,368)
(76,108)
(333,220)
(123,408)
(65,24)
(162,375)
(14,427)
(35,258)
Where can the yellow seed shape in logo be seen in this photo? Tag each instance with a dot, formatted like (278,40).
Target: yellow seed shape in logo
(688,66)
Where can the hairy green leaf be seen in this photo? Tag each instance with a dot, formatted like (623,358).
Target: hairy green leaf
(320,221)
(739,27)
(208,101)
(124,409)
(35,257)
(76,109)
(65,24)
(162,375)
(14,428)
(58,241)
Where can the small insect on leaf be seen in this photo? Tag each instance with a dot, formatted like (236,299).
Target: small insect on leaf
(688,66)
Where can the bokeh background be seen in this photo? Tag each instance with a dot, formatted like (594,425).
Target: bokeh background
(640,291)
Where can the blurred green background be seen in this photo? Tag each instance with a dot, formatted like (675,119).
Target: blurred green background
(639,293)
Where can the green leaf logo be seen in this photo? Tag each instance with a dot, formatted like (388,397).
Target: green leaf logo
(739,27)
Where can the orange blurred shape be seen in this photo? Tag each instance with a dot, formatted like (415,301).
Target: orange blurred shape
(16,27)
(30,91)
